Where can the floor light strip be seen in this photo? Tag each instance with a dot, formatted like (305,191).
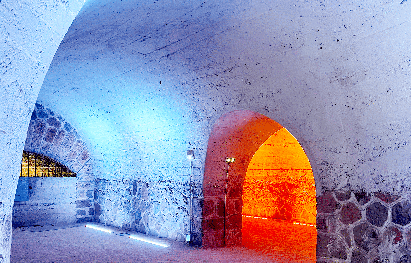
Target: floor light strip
(99,228)
(148,241)
(131,236)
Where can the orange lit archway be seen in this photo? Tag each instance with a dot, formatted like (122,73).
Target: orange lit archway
(239,134)
(279,200)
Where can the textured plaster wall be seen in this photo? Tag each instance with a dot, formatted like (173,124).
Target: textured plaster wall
(51,201)
(145,81)
(334,74)
(31,32)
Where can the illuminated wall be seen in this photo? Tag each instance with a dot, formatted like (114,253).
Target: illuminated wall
(336,74)
(279,181)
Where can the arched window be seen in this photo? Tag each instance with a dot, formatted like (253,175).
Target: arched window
(38,165)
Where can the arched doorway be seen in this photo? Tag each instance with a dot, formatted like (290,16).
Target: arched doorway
(279,200)
(238,135)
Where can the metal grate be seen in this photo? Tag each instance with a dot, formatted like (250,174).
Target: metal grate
(38,165)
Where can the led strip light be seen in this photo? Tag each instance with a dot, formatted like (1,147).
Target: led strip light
(148,241)
(139,238)
(99,228)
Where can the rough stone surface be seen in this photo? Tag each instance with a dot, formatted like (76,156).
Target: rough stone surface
(386,197)
(343,195)
(392,235)
(321,223)
(377,214)
(134,205)
(362,197)
(359,257)
(326,203)
(322,245)
(338,249)
(350,213)
(401,213)
(366,236)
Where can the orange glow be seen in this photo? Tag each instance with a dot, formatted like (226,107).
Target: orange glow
(279,185)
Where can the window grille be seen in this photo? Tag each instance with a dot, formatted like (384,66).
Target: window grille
(38,165)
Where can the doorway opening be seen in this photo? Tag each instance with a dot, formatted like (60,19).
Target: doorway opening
(238,155)
(279,200)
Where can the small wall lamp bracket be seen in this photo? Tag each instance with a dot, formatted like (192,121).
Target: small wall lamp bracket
(229,160)
(190,154)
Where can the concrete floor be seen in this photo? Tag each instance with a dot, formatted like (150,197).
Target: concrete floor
(80,244)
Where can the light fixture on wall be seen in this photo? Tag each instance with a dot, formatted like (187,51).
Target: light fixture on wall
(190,157)
(228,160)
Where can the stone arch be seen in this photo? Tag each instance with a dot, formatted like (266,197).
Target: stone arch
(237,134)
(51,135)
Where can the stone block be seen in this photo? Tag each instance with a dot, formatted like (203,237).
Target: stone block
(91,212)
(234,221)
(323,240)
(327,204)
(386,197)
(83,203)
(53,122)
(377,214)
(350,214)
(208,209)
(401,213)
(392,235)
(81,212)
(362,197)
(39,128)
(321,223)
(51,132)
(220,207)
(366,236)
(233,206)
(337,249)
(343,195)
(359,256)
(213,224)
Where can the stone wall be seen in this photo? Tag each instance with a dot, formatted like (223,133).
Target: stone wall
(158,208)
(363,227)
(51,135)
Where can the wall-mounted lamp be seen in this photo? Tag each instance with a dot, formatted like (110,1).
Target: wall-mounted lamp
(229,160)
(190,154)
(190,157)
